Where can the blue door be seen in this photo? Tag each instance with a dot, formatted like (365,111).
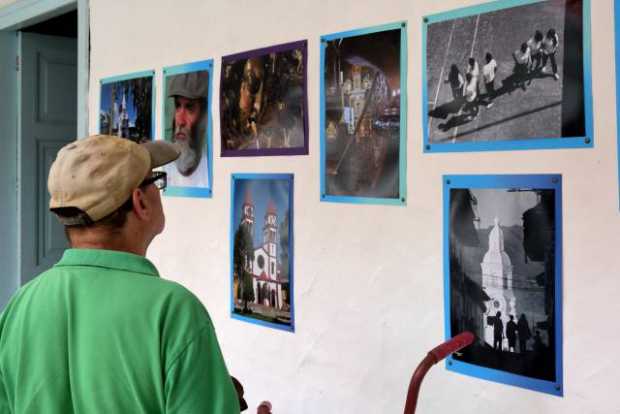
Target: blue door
(47,120)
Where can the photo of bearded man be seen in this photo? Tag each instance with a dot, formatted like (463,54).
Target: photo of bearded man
(186,113)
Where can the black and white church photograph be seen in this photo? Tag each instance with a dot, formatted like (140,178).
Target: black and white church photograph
(502,277)
(511,74)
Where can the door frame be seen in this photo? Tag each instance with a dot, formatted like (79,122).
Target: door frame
(13,17)
(9,280)
(23,13)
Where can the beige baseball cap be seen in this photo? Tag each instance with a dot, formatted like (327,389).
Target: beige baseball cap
(98,174)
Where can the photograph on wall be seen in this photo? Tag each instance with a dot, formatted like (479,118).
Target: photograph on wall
(262,249)
(263,102)
(126,106)
(502,242)
(508,75)
(187,123)
(363,115)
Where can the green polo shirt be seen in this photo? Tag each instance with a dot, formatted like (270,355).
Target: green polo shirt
(100,332)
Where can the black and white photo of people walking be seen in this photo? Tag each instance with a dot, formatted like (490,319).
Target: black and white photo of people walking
(511,74)
(530,61)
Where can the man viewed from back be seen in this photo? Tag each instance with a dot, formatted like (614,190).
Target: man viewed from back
(189,92)
(101,332)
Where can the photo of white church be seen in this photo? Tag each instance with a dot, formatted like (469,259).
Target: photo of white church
(262,250)
(126,107)
(502,277)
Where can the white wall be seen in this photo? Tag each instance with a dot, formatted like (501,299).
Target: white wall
(369,305)
(6,2)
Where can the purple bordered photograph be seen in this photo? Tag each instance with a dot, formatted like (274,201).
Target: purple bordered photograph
(126,106)
(262,249)
(263,102)
(508,75)
(362,110)
(503,277)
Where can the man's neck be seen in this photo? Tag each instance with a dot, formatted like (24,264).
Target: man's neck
(121,247)
(92,239)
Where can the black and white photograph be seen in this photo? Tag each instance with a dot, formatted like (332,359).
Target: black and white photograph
(509,74)
(502,278)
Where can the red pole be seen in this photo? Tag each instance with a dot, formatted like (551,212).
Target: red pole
(434,356)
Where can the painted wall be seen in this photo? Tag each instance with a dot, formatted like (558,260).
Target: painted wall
(369,304)
(8,167)
(6,2)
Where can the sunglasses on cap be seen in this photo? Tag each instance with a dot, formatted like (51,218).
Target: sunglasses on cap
(159,178)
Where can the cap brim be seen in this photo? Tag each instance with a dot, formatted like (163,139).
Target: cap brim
(161,152)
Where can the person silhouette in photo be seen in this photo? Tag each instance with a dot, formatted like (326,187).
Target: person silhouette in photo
(457,83)
(511,334)
(522,60)
(467,111)
(535,45)
(489,70)
(471,97)
(498,331)
(539,346)
(523,329)
(473,68)
(550,45)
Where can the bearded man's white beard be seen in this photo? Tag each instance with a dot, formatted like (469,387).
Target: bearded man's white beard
(188,160)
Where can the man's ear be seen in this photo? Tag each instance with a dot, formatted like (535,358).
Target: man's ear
(140,204)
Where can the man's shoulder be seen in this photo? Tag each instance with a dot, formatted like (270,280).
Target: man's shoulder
(179,299)
(149,288)
(25,289)
(175,292)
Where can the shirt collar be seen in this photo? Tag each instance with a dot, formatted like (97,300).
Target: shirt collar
(108,259)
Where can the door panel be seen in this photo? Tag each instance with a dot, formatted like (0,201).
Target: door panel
(51,238)
(48,120)
(57,89)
